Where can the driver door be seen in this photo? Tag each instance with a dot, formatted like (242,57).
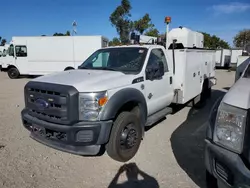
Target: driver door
(22,60)
(158,92)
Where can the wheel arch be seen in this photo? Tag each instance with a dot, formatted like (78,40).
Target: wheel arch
(11,66)
(69,68)
(125,100)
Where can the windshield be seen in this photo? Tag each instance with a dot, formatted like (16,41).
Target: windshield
(247,73)
(128,60)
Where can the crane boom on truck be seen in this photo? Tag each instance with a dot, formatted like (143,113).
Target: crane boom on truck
(116,93)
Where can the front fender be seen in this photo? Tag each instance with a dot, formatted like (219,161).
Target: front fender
(122,97)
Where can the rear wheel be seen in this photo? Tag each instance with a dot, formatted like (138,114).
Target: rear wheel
(13,73)
(125,137)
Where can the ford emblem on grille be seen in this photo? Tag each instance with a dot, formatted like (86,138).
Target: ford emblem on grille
(41,104)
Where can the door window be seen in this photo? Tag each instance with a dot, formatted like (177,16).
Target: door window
(21,51)
(156,56)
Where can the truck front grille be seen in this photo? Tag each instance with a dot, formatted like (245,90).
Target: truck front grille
(51,102)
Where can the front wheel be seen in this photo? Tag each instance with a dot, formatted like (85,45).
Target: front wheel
(125,137)
(13,73)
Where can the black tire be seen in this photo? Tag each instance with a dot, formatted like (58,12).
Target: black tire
(13,73)
(120,147)
(211,181)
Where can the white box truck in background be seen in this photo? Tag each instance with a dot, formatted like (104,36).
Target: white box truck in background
(48,54)
(3,54)
(223,58)
(3,50)
(235,54)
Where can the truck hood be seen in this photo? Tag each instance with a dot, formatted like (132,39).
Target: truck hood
(239,94)
(89,80)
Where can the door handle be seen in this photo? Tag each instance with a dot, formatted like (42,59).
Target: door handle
(171,80)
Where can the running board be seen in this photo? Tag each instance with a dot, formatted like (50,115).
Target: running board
(158,116)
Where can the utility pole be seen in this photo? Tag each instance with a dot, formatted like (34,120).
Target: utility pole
(74,24)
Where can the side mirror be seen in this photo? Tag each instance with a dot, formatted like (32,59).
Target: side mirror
(155,71)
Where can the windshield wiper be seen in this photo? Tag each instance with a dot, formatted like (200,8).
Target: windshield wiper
(107,68)
(99,68)
(84,68)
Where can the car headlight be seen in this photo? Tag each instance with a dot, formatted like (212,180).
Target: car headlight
(90,105)
(230,127)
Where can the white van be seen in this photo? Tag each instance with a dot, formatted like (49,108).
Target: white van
(48,54)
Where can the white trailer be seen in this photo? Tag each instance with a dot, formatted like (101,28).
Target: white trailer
(223,58)
(48,54)
(235,54)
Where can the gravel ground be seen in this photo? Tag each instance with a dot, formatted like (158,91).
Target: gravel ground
(171,154)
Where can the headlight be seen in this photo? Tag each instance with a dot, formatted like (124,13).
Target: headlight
(230,127)
(90,105)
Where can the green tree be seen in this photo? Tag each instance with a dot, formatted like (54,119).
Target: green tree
(67,33)
(115,41)
(242,38)
(61,34)
(120,20)
(153,32)
(3,41)
(143,24)
(58,34)
(214,42)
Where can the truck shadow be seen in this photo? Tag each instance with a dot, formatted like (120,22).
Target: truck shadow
(132,175)
(188,144)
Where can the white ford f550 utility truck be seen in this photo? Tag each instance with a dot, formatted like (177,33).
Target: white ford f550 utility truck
(115,93)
